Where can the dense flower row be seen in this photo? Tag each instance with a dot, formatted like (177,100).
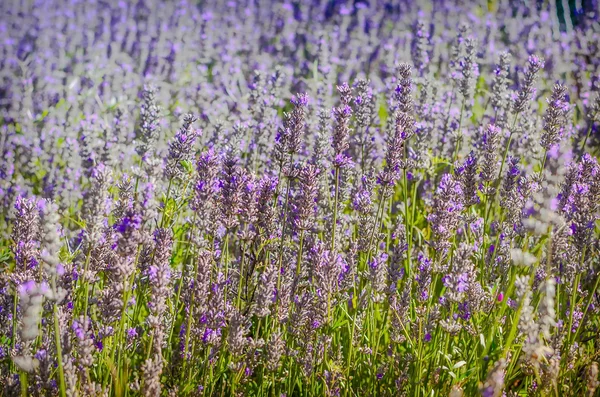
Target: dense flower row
(299,198)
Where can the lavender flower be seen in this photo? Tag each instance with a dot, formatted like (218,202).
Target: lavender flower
(231,186)
(447,208)
(289,138)
(159,275)
(489,148)
(278,262)
(25,235)
(304,207)
(394,157)
(96,205)
(470,72)
(403,91)
(180,149)
(555,117)
(341,131)
(527,88)
(467,175)
(500,95)
(149,122)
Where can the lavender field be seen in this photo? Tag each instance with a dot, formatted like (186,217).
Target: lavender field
(299,198)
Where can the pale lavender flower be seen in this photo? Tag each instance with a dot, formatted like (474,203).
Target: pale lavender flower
(207,169)
(231,188)
(327,269)
(447,209)
(274,352)
(402,95)
(289,137)
(265,293)
(341,130)
(84,343)
(159,274)
(304,206)
(555,117)
(527,88)
(500,100)
(237,335)
(363,142)
(266,213)
(31,296)
(51,244)
(25,234)
(149,122)
(96,205)
(470,72)
(466,173)
(489,147)
(423,277)
(378,276)
(394,157)
(181,147)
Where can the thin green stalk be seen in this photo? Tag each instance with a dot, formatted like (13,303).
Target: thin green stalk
(335,205)
(14,327)
(299,261)
(499,178)
(587,306)
(458,136)
(376,225)
(178,295)
(61,374)
(572,308)
(587,135)
(85,283)
(164,214)
(513,329)
(407,226)
(23,380)
(241,282)
(225,251)
(543,165)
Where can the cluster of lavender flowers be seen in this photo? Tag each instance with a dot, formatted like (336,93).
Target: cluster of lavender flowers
(299,198)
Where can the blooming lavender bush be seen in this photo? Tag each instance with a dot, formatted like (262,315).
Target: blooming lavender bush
(333,198)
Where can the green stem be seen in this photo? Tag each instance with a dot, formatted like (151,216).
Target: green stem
(24,383)
(241,282)
(57,333)
(585,310)
(178,295)
(499,178)
(589,130)
(335,204)
(458,136)
(164,214)
(376,225)
(187,333)
(14,326)
(299,261)
(85,283)
(407,226)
